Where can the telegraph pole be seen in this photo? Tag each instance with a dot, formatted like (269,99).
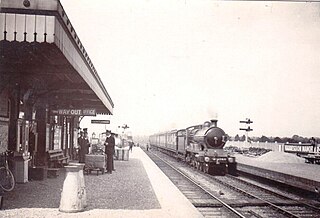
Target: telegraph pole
(247,129)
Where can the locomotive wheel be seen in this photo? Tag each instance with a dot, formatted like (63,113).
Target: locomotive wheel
(188,160)
(198,165)
(194,163)
(206,168)
(191,162)
(201,166)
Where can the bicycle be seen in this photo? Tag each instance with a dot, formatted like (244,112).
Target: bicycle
(7,181)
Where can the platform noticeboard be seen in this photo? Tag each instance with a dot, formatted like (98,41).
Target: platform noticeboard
(100,121)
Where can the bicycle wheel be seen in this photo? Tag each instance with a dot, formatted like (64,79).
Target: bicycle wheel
(7,182)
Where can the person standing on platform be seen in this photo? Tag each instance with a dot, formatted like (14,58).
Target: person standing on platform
(84,145)
(130,146)
(109,150)
(86,141)
(81,147)
(314,144)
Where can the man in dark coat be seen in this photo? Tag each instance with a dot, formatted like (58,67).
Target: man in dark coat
(109,150)
(313,144)
(84,145)
(80,144)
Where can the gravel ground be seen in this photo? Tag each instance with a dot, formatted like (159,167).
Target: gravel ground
(127,188)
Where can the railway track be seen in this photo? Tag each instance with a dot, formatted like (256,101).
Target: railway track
(228,196)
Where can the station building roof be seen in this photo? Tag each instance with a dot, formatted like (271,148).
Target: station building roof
(41,51)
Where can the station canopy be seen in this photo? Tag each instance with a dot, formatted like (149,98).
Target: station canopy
(41,53)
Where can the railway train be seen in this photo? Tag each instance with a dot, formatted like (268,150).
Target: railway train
(201,146)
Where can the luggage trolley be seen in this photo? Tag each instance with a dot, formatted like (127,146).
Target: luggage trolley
(95,162)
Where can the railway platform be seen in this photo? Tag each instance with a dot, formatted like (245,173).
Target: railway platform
(295,173)
(136,189)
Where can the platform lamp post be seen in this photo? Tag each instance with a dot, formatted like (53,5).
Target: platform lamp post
(247,129)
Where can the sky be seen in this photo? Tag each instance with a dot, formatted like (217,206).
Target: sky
(170,64)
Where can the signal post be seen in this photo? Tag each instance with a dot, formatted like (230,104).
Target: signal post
(247,129)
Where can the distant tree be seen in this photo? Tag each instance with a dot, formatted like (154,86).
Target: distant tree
(291,140)
(287,139)
(264,139)
(237,138)
(255,139)
(243,138)
(297,138)
(228,137)
(306,140)
(278,139)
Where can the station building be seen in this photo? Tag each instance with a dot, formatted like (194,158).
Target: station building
(47,80)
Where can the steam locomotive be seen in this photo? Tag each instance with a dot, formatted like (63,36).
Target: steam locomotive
(201,146)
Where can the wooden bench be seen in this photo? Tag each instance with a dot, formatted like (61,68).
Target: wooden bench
(56,158)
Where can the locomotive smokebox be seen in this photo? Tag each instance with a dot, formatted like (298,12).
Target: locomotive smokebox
(212,136)
(215,137)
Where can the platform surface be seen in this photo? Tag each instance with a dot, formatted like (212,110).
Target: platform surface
(283,163)
(136,189)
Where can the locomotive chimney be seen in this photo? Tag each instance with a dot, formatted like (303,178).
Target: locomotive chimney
(214,122)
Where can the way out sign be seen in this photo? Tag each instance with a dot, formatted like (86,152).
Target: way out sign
(74,112)
(100,121)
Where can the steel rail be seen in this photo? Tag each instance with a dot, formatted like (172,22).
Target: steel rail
(272,205)
(275,193)
(202,188)
(285,212)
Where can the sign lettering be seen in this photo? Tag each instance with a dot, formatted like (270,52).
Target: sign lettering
(89,112)
(74,112)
